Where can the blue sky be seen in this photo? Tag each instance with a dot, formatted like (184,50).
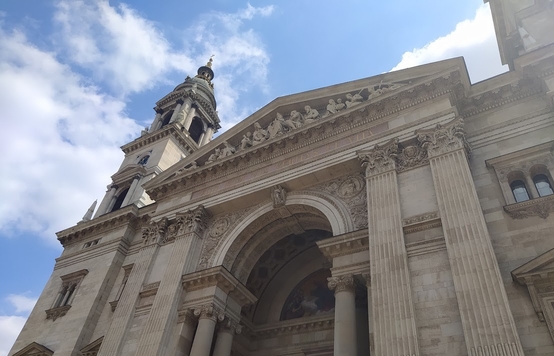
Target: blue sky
(78,79)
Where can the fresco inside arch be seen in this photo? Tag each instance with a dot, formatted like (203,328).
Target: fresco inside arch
(310,297)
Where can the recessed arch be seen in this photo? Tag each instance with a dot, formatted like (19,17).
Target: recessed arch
(334,211)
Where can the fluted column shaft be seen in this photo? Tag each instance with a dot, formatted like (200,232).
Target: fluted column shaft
(487,321)
(124,313)
(394,327)
(162,319)
(345,343)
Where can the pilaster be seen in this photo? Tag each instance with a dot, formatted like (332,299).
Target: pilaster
(392,307)
(487,321)
(186,233)
(123,314)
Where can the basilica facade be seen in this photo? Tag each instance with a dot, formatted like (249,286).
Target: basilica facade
(410,213)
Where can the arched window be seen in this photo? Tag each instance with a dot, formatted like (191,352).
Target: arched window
(166,119)
(119,200)
(519,190)
(543,185)
(196,129)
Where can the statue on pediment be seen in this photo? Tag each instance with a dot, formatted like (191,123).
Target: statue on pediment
(331,107)
(296,118)
(353,100)
(214,156)
(277,126)
(339,105)
(259,135)
(311,115)
(246,141)
(227,150)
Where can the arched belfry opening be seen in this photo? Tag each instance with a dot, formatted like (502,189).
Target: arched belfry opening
(196,129)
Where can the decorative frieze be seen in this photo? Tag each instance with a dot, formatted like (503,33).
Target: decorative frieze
(541,207)
(341,283)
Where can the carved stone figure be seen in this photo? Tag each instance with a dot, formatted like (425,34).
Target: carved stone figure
(246,141)
(289,124)
(279,196)
(180,116)
(191,167)
(277,127)
(296,118)
(339,105)
(373,93)
(227,150)
(311,114)
(331,107)
(214,156)
(259,135)
(353,100)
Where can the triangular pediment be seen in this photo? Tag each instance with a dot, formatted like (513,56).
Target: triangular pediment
(539,267)
(92,348)
(378,96)
(34,349)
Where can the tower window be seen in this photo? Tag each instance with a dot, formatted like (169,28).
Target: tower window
(543,185)
(144,160)
(519,190)
(196,129)
(167,118)
(119,200)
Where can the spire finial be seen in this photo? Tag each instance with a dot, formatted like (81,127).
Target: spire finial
(210,61)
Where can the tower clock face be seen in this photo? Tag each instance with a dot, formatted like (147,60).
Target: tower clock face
(144,160)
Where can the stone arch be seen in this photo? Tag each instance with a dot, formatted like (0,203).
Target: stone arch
(335,211)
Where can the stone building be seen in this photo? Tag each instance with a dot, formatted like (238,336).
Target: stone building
(408,213)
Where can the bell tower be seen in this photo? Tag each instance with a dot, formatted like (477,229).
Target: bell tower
(185,120)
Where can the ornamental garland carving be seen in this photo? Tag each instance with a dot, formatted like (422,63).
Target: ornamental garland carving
(351,190)
(341,283)
(444,138)
(380,159)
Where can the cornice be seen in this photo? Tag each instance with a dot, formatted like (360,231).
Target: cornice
(174,130)
(101,249)
(425,246)
(295,326)
(333,125)
(346,244)
(128,215)
(421,222)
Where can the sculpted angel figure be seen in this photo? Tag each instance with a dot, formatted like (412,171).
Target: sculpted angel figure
(311,114)
(353,100)
(246,141)
(227,149)
(214,156)
(259,135)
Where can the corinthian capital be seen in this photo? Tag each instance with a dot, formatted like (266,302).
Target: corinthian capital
(154,232)
(380,159)
(444,138)
(341,283)
(209,311)
(194,220)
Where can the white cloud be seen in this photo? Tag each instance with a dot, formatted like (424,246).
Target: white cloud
(64,111)
(21,303)
(10,327)
(474,39)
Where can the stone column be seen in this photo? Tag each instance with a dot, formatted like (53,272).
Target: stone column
(186,232)
(394,327)
(125,311)
(224,341)
(190,116)
(176,110)
(367,278)
(157,119)
(130,197)
(207,317)
(107,201)
(531,188)
(487,321)
(345,315)
(207,136)
(185,108)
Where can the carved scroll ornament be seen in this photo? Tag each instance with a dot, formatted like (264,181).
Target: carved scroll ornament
(341,283)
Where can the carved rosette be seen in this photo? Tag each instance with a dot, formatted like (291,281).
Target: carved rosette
(380,159)
(209,311)
(341,283)
(444,138)
(154,232)
(411,156)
